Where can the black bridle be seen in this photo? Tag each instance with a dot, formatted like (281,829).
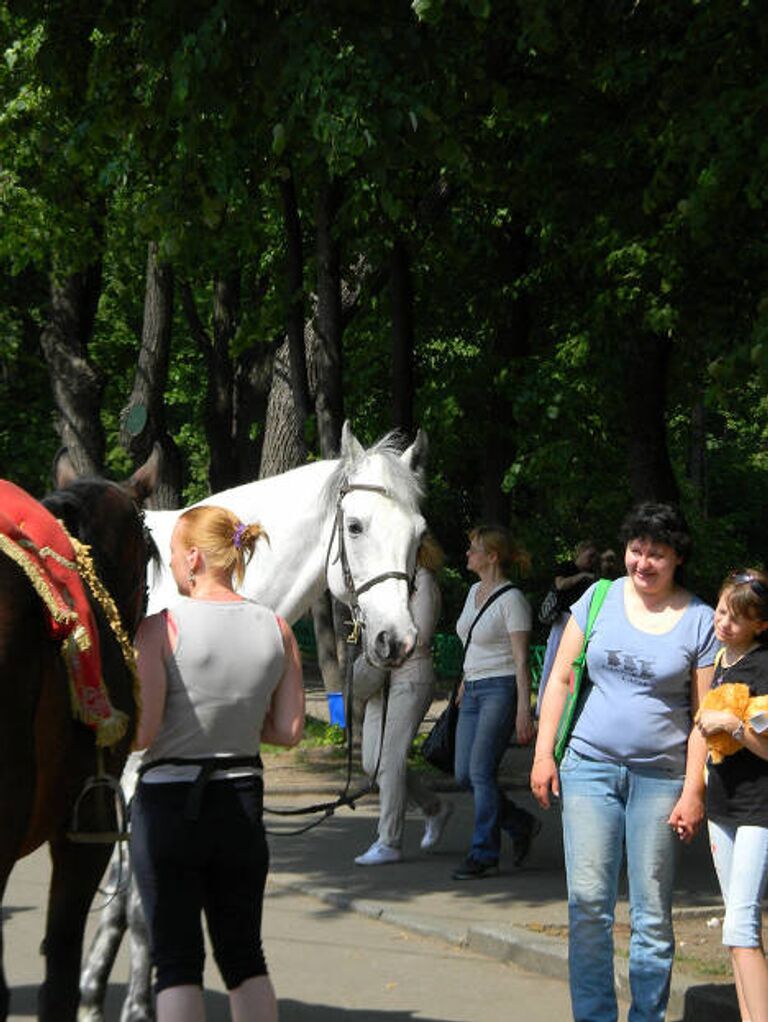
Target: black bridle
(354,590)
(347,797)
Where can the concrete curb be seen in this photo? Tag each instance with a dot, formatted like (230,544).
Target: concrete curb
(689,1000)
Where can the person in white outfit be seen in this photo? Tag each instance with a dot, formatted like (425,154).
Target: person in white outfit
(411,688)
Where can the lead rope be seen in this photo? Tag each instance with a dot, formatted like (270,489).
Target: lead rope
(345,797)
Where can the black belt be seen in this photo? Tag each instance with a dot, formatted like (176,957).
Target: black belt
(208,766)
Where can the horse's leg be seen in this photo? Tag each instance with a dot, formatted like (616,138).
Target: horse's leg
(77,869)
(106,943)
(138,1005)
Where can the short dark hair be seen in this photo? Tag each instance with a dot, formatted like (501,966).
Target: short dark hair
(661,523)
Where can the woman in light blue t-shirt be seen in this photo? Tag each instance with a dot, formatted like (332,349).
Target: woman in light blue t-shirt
(631,779)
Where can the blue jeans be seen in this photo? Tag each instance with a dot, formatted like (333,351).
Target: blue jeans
(740,853)
(607,807)
(486,722)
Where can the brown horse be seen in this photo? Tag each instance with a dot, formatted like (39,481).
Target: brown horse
(45,755)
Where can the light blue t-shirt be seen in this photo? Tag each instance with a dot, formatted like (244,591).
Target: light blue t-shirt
(638,711)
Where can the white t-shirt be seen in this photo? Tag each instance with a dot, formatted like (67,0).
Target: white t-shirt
(490,651)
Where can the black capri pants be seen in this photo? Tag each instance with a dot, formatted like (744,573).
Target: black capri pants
(216,864)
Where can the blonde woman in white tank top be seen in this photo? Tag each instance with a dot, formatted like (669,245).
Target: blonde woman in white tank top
(219,674)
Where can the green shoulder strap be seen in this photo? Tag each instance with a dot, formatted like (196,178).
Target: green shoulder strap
(569,710)
(598,597)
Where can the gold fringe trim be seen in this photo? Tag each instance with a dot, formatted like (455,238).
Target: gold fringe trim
(88,574)
(82,638)
(109,730)
(47,551)
(36,578)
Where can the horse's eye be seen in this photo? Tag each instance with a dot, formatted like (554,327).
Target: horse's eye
(355,527)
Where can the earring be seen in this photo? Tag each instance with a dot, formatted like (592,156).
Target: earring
(191,578)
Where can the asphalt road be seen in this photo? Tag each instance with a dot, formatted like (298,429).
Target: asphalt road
(326,964)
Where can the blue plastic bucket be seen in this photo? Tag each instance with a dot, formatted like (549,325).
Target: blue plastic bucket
(336,708)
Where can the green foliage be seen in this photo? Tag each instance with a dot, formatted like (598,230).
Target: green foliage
(609,183)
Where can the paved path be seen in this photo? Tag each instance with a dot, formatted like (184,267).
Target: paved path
(327,965)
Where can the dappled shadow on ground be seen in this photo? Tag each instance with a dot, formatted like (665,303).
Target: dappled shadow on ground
(717,997)
(324,857)
(11,910)
(303,1011)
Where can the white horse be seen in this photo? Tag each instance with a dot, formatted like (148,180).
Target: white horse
(365,505)
(351,525)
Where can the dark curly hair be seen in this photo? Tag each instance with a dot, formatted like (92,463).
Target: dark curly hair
(660,523)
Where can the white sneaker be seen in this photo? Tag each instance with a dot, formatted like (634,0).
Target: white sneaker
(434,826)
(379,855)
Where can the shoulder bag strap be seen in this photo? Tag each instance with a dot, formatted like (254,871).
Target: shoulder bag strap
(494,596)
(598,596)
(565,724)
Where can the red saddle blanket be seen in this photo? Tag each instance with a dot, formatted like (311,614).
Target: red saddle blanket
(44,550)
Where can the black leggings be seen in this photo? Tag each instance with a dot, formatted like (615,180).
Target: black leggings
(215,864)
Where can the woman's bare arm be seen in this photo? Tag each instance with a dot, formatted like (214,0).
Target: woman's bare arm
(284,722)
(152,648)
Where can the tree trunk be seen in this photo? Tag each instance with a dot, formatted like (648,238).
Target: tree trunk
(329,397)
(511,345)
(645,372)
(219,410)
(697,461)
(142,423)
(281,450)
(294,278)
(325,641)
(76,384)
(252,381)
(361,281)
(401,290)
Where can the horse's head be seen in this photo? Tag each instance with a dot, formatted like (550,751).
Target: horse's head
(107,517)
(376,533)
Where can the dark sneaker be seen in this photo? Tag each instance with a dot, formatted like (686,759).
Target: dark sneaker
(474,869)
(522,843)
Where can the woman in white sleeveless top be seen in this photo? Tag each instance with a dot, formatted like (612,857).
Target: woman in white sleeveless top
(219,674)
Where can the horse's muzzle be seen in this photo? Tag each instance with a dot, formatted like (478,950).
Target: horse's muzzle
(392,650)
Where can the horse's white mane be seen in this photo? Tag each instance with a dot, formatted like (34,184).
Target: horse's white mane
(404,484)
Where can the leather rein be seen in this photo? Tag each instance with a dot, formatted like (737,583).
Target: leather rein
(347,797)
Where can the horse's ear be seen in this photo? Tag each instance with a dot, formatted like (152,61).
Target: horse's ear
(351,448)
(64,472)
(144,479)
(415,456)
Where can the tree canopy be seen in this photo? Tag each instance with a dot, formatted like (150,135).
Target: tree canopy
(534,228)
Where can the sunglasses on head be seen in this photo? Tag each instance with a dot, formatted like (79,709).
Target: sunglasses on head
(743,578)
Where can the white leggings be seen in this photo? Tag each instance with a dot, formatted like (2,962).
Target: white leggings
(740,854)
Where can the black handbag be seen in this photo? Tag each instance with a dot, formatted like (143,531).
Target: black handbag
(439,747)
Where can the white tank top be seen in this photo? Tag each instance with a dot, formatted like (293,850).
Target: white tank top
(228,660)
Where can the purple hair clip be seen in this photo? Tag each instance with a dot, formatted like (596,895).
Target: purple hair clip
(237,538)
